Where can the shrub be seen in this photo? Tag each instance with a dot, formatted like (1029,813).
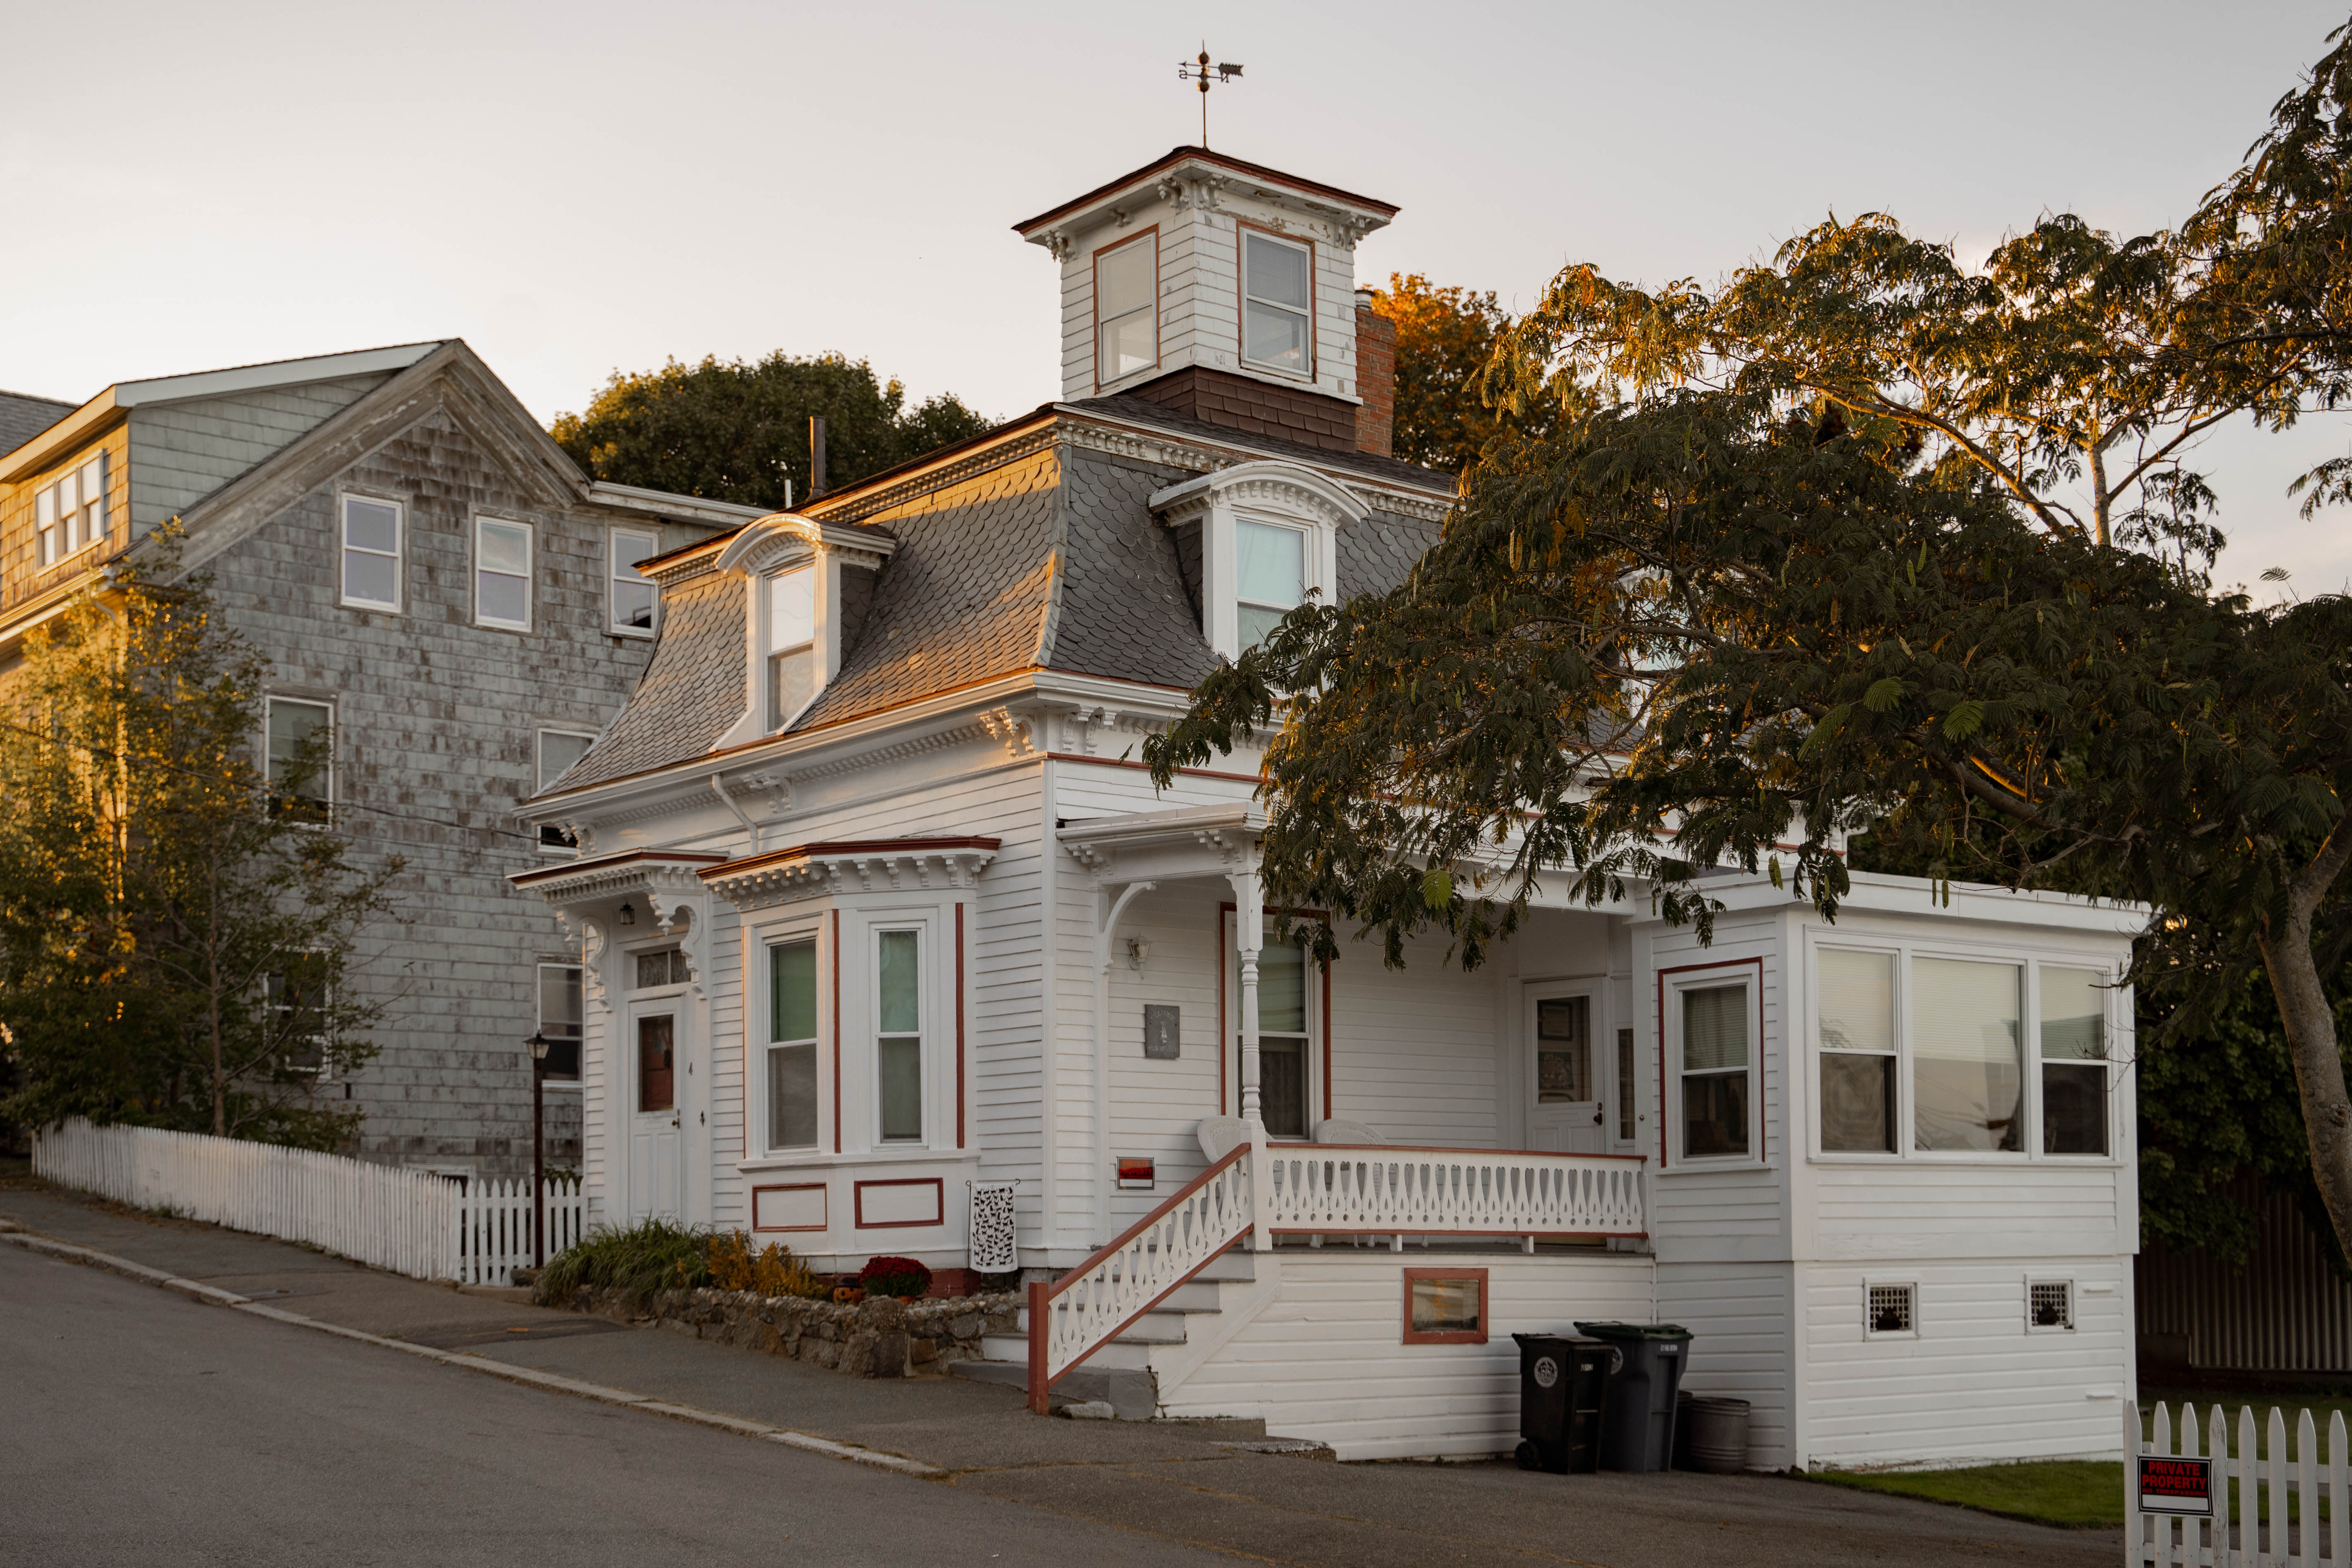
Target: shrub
(737,1263)
(652,1255)
(895,1277)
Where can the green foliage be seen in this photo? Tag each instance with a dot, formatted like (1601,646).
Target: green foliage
(650,1255)
(1444,338)
(737,432)
(2072,1494)
(174,928)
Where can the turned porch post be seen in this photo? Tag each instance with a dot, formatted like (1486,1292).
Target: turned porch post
(1249,928)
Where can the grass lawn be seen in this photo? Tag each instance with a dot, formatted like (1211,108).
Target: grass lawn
(2073,1494)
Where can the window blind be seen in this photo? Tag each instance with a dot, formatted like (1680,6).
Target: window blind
(1714,1028)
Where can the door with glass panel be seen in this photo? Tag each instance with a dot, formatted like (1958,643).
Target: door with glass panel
(655,1151)
(1286,1061)
(1566,1110)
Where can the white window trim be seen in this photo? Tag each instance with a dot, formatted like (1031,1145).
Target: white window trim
(1243,297)
(925,923)
(334,741)
(612,581)
(1285,494)
(2029,965)
(344,500)
(1600,1046)
(1918,1309)
(758,940)
(824,586)
(1741,972)
(539,999)
(1233,1011)
(529,580)
(2073,1304)
(1094,267)
(60,527)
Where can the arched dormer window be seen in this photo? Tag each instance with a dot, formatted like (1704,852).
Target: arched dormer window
(794,622)
(1264,536)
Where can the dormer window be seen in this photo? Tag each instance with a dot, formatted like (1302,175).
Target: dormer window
(1277,303)
(792,644)
(1270,579)
(1127,315)
(70,516)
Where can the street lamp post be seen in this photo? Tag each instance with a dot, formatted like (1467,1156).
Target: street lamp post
(538,1044)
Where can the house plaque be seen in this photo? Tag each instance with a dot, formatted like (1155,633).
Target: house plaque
(1164,1031)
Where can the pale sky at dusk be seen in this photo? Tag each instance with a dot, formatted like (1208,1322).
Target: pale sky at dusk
(575,188)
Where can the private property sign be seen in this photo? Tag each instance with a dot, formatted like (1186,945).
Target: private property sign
(2175,1485)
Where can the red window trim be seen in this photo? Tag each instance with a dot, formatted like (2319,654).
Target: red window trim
(1763,1123)
(1448,1336)
(938,1192)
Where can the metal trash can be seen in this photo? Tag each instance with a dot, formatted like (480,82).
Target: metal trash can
(1719,1435)
(1637,1422)
(1562,1382)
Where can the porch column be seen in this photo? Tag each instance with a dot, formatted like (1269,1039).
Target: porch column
(1249,930)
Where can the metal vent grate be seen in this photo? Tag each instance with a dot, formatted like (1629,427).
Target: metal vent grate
(2050,1304)
(1890,1309)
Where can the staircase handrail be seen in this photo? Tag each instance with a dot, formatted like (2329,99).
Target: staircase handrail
(1146,1263)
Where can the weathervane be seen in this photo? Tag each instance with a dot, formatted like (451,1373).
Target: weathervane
(1201,71)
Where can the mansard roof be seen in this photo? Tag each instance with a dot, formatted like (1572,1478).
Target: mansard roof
(1033,548)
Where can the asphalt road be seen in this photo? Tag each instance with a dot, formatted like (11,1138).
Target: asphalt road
(138,1427)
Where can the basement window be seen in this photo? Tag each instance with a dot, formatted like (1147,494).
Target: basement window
(1445,1306)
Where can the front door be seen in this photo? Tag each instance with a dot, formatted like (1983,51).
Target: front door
(1565,1107)
(654,1150)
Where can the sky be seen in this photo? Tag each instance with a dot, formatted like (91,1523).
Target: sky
(588,187)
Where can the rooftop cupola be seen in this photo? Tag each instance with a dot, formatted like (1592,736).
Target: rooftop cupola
(1221,290)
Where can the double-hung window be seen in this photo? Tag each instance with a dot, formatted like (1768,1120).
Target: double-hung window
(1859,1111)
(301,766)
(1270,576)
(1967,1075)
(294,1001)
(70,515)
(791,1044)
(561,1020)
(371,547)
(1277,303)
(2074,1062)
(1716,1057)
(635,596)
(1127,314)
(502,574)
(1284,1059)
(792,644)
(898,1034)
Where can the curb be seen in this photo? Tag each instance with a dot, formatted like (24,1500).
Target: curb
(554,1383)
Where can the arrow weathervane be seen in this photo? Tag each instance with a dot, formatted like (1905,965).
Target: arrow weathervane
(1200,71)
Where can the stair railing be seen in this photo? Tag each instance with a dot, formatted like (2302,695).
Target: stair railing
(1093,1304)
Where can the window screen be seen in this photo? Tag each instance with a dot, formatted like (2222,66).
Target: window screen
(1856,1007)
(1277,304)
(1715,1071)
(1967,1078)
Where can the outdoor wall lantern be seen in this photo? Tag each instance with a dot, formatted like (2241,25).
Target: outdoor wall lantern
(628,915)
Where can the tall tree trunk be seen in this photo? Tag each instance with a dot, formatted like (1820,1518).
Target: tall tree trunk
(2310,1023)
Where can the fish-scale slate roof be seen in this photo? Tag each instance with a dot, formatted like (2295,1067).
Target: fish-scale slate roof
(1049,558)
(692,690)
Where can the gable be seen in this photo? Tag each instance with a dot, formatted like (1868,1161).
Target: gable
(183,452)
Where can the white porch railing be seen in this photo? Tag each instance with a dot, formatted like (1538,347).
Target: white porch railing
(2269,1531)
(1327,1189)
(1085,1308)
(1382,1190)
(408,1221)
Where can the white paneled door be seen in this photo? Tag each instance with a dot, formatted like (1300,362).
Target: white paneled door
(654,1146)
(1566,1104)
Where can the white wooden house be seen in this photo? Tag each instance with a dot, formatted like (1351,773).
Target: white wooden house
(880,912)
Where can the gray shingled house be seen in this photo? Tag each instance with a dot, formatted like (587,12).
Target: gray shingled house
(433,579)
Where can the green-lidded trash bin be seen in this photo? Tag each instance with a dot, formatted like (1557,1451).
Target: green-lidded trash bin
(1562,1382)
(1637,1422)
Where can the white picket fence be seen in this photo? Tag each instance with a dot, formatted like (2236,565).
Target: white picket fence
(2280,1497)
(411,1222)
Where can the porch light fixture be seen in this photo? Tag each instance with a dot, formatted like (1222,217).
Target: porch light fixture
(1138,950)
(628,913)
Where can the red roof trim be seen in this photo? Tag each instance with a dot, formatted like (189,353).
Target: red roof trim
(845,847)
(1255,170)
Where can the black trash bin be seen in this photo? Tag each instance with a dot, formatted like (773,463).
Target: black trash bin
(1563,1380)
(1637,1422)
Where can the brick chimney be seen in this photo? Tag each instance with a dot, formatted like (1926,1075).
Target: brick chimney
(1375,378)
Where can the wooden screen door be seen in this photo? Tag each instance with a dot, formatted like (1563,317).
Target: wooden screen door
(1566,1107)
(653,1144)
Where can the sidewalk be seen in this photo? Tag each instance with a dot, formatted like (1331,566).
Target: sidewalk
(1172,1480)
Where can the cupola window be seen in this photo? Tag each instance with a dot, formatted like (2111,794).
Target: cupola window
(792,644)
(1127,317)
(1277,303)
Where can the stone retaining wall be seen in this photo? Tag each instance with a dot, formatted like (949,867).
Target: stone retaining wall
(882,1337)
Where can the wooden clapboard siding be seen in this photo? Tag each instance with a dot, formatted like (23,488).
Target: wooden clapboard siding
(1741,1318)
(1413,1052)
(1973,1383)
(1959,1210)
(1327,1359)
(181,452)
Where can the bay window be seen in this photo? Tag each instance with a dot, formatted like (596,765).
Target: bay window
(1126,309)
(791,1044)
(1857,1064)
(1716,1058)
(2074,1062)
(792,644)
(898,1035)
(1277,303)
(1968,1080)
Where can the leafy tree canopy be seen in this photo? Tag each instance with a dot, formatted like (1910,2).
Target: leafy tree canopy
(1444,338)
(728,430)
(174,925)
(1863,540)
